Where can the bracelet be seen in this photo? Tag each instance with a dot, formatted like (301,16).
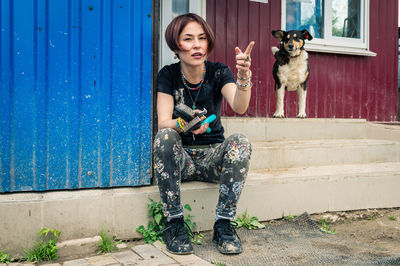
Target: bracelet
(244,87)
(241,78)
(180,123)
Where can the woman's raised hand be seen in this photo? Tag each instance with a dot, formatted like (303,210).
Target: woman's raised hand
(243,61)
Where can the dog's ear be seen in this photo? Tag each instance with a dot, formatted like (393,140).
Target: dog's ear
(307,35)
(278,34)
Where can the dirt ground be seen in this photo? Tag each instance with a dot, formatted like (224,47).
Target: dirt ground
(356,237)
(375,229)
(379,228)
(363,235)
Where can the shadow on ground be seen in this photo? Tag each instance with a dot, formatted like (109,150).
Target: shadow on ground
(300,242)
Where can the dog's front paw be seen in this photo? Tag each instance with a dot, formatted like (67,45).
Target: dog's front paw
(302,115)
(274,50)
(278,115)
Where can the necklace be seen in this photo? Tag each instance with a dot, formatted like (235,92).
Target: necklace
(184,79)
(194,102)
(198,88)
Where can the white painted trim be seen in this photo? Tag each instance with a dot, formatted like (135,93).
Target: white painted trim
(338,49)
(332,44)
(198,7)
(166,55)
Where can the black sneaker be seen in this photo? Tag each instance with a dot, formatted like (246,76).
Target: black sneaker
(176,238)
(226,238)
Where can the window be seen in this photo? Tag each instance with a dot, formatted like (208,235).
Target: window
(169,10)
(338,26)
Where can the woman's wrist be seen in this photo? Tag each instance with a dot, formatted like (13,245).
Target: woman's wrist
(243,83)
(180,124)
(245,77)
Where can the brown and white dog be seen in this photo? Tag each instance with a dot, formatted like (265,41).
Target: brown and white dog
(291,69)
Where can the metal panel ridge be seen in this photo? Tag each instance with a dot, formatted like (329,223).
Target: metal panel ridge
(75,94)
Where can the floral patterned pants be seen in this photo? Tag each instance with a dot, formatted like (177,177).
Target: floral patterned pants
(226,163)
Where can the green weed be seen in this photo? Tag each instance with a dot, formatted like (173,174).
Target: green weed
(45,249)
(249,222)
(392,217)
(289,218)
(326,228)
(107,244)
(153,231)
(5,258)
(197,237)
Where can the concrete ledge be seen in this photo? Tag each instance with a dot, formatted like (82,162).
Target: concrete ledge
(273,129)
(78,247)
(267,195)
(383,131)
(77,214)
(274,194)
(287,154)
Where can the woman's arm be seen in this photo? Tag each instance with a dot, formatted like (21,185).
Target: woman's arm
(165,108)
(237,98)
(238,95)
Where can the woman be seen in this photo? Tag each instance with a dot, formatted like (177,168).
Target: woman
(200,155)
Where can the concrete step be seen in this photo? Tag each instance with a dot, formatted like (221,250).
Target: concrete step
(275,129)
(304,153)
(270,194)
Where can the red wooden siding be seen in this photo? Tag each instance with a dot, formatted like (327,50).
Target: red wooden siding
(340,86)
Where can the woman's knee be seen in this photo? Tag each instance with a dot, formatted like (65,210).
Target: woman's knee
(165,139)
(238,147)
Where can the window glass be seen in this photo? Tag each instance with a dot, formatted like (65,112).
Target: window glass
(180,7)
(306,14)
(346,18)
(338,26)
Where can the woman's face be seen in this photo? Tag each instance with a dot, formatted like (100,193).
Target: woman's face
(194,44)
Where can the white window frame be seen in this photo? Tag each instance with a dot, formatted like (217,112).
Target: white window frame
(333,44)
(195,6)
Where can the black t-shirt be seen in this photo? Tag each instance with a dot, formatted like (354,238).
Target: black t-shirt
(208,96)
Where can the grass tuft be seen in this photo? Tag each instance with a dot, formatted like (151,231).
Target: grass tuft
(107,244)
(46,248)
(249,222)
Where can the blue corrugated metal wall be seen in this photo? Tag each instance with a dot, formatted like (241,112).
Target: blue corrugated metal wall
(75,94)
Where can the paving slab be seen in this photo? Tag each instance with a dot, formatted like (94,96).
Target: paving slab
(21,264)
(189,259)
(126,257)
(78,262)
(105,259)
(152,255)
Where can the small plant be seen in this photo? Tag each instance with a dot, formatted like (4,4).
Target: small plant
(289,218)
(326,228)
(153,232)
(249,222)
(5,258)
(219,264)
(107,244)
(45,249)
(392,217)
(197,237)
(154,229)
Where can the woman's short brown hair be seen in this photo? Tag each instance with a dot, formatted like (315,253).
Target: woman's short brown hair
(177,25)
